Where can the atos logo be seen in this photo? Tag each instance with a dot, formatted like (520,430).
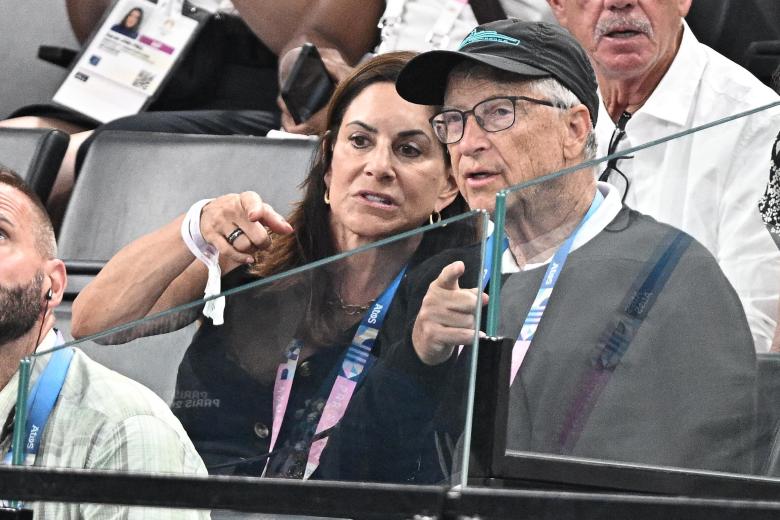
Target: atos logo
(33,436)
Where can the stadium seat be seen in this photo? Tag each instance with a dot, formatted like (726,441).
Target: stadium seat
(707,20)
(731,27)
(762,58)
(35,154)
(134,182)
(769,411)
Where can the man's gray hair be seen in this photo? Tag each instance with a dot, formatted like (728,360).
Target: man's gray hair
(552,90)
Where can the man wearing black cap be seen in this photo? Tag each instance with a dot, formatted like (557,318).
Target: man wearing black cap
(630,343)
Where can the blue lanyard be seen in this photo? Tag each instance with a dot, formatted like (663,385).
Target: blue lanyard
(554,269)
(597,200)
(539,305)
(350,373)
(41,401)
(358,353)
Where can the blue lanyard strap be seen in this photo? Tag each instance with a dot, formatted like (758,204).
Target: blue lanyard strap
(539,305)
(554,269)
(41,401)
(351,371)
(358,353)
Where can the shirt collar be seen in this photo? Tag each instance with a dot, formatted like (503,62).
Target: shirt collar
(604,214)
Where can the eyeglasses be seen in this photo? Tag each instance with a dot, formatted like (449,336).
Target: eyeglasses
(492,115)
(617,135)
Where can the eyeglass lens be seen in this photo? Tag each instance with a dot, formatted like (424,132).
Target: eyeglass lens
(492,115)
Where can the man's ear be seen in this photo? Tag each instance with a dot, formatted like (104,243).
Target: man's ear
(578,127)
(448,192)
(55,279)
(559,11)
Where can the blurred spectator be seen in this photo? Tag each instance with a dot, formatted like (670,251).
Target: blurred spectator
(656,79)
(416,25)
(225,84)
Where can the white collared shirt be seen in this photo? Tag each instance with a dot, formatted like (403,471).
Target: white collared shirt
(604,214)
(709,184)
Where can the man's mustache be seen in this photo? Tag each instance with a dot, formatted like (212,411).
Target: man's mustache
(622,23)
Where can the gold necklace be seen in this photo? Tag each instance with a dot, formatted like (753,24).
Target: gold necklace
(350,309)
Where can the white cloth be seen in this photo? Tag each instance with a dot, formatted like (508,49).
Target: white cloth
(600,219)
(708,184)
(419,16)
(209,255)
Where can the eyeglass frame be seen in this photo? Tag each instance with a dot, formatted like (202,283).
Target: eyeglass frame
(465,113)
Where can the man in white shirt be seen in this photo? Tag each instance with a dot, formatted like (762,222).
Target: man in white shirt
(656,79)
(96,419)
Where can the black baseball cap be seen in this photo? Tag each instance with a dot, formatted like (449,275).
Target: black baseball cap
(530,49)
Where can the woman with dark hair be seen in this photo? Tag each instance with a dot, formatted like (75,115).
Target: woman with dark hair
(130,23)
(378,172)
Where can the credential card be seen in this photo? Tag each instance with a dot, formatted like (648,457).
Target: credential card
(127,59)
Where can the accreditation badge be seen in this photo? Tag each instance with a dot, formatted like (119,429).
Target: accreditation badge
(130,55)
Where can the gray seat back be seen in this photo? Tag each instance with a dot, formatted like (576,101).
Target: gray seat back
(745,31)
(35,154)
(769,410)
(132,359)
(132,183)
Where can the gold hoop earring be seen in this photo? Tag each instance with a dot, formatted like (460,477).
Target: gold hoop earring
(326,197)
(435,220)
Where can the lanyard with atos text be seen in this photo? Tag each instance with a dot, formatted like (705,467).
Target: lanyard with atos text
(351,372)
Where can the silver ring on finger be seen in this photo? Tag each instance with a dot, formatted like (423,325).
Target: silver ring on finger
(233,236)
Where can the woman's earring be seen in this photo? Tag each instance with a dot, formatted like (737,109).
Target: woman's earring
(326,197)
(434,219)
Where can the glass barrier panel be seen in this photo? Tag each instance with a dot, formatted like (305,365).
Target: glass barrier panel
(313,374)
(637,315)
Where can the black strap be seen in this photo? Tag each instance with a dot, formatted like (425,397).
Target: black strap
(637,304)
(487,11)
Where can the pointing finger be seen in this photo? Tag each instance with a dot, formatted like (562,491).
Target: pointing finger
(448,278)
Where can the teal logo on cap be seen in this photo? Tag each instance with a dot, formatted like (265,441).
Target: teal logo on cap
(488,36)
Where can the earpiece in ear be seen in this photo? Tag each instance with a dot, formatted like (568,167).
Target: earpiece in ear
(49,295)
